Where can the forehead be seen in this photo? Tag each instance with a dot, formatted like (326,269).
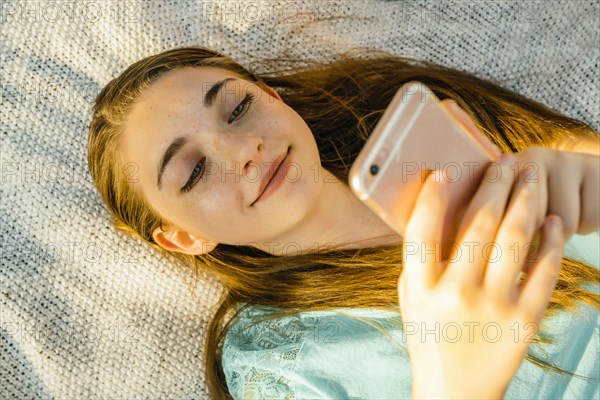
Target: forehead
(196,80)
(165,104)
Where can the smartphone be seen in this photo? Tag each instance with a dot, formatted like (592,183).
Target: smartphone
(415,136)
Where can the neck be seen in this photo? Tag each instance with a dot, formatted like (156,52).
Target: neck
(339,220)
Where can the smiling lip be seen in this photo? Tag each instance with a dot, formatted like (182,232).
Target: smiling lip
(271,182)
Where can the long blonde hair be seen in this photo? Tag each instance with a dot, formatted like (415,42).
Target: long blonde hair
(341,101)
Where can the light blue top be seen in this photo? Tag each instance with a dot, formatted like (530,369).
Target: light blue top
(325,355)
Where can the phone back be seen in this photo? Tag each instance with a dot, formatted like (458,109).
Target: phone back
(414,136)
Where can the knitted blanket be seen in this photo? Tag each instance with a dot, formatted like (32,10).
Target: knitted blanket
(88,313)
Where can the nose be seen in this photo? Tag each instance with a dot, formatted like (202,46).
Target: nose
(241,153)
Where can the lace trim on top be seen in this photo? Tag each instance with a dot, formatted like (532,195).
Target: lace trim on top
(249,347)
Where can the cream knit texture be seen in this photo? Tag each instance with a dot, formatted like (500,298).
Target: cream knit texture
(88,313)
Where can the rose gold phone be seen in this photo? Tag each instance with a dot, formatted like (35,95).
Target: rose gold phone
(415,135)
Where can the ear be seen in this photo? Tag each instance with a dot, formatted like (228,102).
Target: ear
(182,242)
(272,92)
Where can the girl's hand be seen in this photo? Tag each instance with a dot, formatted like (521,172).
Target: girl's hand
(467,321)
(570,181)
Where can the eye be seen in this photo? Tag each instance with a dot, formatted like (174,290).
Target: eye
(242,107)
(195,177)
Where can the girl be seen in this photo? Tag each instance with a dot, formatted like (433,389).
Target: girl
(203,137)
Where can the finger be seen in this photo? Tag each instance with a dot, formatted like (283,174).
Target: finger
(564,188)
(531,251)
(480,223)
(423,233)
(590,191)
(534,295)
(541,210)
(539,165)
(516,231)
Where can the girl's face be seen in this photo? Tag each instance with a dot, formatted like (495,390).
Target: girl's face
(202,140)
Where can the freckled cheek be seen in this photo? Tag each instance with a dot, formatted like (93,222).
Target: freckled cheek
(215,205)
(202,215)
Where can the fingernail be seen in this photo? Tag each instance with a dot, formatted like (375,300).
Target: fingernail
(554,221)
(439,178)
(436,178)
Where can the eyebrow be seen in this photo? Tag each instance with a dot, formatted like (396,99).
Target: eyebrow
(178,143)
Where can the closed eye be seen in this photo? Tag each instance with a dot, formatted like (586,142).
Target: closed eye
(196,175)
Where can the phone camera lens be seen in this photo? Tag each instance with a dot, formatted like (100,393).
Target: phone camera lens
(374,169)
